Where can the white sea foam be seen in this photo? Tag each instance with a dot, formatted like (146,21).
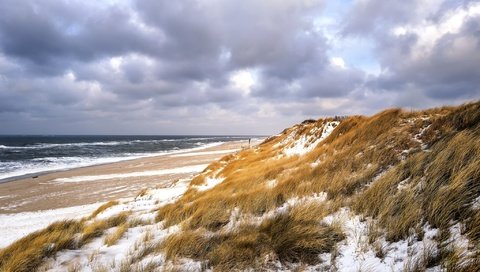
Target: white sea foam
(178,170)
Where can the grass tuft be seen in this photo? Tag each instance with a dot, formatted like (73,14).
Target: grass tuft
(103,208)
(112,238)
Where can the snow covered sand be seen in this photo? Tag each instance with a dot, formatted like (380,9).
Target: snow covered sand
(199,153)
(178,170)
(15,226)
(138,239)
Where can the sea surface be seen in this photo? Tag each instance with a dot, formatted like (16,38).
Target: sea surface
(30,155)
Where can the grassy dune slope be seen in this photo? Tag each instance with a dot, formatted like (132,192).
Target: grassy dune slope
(398,190)
(406,170)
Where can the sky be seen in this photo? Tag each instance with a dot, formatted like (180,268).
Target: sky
(224,67)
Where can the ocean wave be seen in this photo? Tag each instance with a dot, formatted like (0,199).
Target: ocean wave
(48,145)
(48,164)
(101,143)
(22,168)
(198,141)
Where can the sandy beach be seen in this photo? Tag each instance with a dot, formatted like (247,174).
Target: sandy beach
(97,184)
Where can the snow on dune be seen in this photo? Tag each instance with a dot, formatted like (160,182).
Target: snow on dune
(97,254)
(209,183)
(307,143)
(356,254)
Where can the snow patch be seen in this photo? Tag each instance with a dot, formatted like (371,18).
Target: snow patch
(237,218)
(356,254)
(179,170)
(307,143)
(206,153)
(209,183)
(457,240)
(476,203)
(16,226)
(272,183)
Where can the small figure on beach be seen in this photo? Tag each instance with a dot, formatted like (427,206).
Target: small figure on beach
(249,139)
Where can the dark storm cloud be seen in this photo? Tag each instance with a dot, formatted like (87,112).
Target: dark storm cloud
(203,40)
(185,25)
(48,36)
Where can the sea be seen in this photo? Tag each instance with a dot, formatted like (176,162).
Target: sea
(22,156)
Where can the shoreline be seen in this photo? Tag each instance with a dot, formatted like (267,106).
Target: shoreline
(165,153)
(124,179)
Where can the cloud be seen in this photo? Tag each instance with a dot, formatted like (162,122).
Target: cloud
(222,67)
(369,16)
(48,37)
(438,58)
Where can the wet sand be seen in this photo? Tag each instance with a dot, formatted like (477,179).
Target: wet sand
(71,188)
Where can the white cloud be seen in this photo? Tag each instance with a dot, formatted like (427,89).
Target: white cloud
(115,63)
(429,32)
(337,62)
(242,80)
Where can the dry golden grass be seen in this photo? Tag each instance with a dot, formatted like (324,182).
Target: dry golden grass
(442,185)
(29,252)
(142,192)
(473,226)
(241,188)
(298,237)
(135,222)
(97,227)
(112,238)
(103,208)
(294,236)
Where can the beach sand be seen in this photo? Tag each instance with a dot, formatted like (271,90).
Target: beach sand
(97,184)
